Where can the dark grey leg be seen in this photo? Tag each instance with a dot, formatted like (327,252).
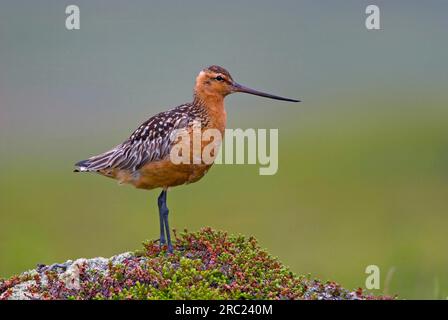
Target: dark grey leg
(161,200)
(163,209)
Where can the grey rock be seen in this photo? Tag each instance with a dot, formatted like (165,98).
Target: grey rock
(68,272)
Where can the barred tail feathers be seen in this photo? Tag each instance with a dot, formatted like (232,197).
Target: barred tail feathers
(96,163)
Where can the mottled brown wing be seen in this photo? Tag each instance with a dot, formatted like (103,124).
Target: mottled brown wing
(149,142)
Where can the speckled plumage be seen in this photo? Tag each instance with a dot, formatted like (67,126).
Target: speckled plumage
(151,141)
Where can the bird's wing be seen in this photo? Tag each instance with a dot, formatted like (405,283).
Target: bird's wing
(151,141)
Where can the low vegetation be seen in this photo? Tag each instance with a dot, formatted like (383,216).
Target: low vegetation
(205,265)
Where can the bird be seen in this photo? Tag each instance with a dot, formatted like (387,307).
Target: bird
(143,160)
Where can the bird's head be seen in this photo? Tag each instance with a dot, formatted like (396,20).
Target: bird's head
(215,82)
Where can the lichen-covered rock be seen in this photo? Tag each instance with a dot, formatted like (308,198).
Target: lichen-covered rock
(205,265)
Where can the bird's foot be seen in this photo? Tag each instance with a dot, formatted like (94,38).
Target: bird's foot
(169,247)
(163,243)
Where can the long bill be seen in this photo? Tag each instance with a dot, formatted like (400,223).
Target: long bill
(240,88)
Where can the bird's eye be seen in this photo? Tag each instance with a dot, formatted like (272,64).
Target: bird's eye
(219,78)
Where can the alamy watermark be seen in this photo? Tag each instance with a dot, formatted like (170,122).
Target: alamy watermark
(373,18)
(373,278)
(73,19)
(197,145)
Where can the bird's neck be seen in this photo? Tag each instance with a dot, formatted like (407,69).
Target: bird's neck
(214,105)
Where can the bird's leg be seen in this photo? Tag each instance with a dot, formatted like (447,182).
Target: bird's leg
(161,201)
(164,212)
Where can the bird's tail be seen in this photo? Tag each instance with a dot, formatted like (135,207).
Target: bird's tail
(96,163)
(82,166)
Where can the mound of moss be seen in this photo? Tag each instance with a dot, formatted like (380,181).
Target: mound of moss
(205,265)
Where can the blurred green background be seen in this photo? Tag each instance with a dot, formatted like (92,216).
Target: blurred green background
(363,161)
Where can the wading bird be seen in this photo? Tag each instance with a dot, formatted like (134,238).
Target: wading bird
(143,160)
